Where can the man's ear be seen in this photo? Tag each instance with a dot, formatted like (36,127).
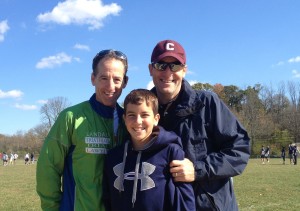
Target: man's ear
(185,70)
(125,81)
(93,79)
(150,69)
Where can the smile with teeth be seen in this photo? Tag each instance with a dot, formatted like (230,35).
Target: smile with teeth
(109,93)
(138,129)
(167,81)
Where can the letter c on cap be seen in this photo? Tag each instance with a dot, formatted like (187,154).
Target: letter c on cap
(170,46)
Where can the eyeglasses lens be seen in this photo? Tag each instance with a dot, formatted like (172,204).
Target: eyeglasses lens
(174,67)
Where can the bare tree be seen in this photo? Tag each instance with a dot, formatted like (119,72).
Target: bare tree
(294,112)
(252,114)
(52,108)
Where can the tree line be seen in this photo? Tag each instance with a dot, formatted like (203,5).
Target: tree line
(32,140)
(270,114)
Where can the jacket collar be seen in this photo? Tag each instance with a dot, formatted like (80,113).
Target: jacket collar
(105,111)
(187,101)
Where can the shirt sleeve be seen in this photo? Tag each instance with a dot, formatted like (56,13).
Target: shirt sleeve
(50,163)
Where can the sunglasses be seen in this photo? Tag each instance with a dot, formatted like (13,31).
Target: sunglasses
(116,54)
(119,54)
(174,66)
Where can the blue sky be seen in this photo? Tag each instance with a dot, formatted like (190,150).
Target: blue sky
(46,47)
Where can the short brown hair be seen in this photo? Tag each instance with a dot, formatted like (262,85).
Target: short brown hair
(138,96)
(109,53)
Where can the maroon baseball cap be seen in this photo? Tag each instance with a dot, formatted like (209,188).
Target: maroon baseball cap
(168,48)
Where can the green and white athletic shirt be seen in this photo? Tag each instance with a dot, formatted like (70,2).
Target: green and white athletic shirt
(69,168)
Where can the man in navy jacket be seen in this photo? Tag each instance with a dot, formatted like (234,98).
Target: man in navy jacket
(216,145)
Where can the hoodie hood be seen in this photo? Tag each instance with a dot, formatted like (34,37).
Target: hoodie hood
(159,138)
(163,138)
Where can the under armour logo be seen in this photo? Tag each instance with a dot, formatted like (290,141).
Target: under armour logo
(170,46)
(146,182)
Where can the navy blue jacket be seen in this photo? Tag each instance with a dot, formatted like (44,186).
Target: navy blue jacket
(141,180)
(213,139)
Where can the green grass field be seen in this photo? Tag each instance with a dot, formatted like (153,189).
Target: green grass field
(272,186)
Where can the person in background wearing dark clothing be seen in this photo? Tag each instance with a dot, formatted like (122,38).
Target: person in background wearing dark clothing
(216,145)
(283,155)
(267,154)
(5,159)
(262,154)
(295,151)
(291,153)
(136,174)
(32,158)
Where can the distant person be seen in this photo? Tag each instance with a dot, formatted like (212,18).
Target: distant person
(291,149)
(262,154)
(216,145)
(283,155)
(5,159)
(12,159)
(16,157)
(267,154)
(136,174)
(26,158)
(32,158)
(70,165)
(295,154)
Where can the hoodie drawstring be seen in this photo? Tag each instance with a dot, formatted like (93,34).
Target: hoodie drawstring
(123,167)
(136,173)
(136,177)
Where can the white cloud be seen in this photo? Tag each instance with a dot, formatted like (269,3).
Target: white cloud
(295,59)
(81,47)
(80,12)
(11,94)
(150,85)
(53,61)
(25,107)
(296,73)
(76,59)
(42,101)
(3,29)
(192,82)
(189,72)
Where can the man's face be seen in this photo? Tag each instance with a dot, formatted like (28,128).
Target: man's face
(167,83)
(109,81)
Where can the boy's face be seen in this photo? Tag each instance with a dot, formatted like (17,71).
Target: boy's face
(140,120)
